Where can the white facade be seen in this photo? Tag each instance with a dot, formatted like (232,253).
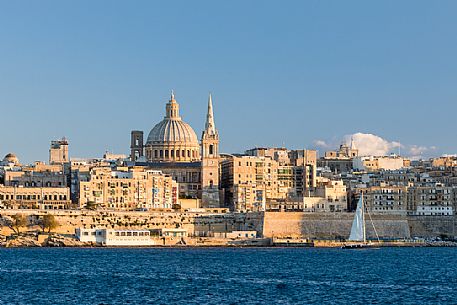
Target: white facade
(435,210)
(377,163)
(236,234)
(173,232)
(111,237)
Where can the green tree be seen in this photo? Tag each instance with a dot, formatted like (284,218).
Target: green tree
(48,222)
(91,205)
(15,222)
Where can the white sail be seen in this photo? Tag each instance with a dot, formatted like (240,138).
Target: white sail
(358,229)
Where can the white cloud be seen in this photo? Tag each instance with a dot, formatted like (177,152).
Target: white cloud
(321,143)
(416,152)
(372,145)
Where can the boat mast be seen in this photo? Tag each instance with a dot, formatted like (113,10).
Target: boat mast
(363,221)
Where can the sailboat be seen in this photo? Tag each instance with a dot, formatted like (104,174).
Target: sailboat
(358,230)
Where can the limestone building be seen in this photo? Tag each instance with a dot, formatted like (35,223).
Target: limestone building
(249,181)
(265,178)
(45,198)
(172,147)
(128,189)
(340,160)
(385,199)
(373,164)
(36,175)
(58,152)
(431,200)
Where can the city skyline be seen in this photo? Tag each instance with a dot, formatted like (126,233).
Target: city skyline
(296,75)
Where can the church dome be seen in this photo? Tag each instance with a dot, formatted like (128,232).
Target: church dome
(11,158)
(172,130)
(172,139)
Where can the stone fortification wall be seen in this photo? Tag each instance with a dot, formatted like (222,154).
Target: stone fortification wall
(194,223)
(432,226)
(330,225)
(268,224)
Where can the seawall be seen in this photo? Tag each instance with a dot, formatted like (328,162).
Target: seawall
(268,224)
(196,224)
(330,225)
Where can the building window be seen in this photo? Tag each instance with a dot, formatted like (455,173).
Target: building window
(211,149)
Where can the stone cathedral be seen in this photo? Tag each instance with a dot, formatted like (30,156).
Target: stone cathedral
(173,148)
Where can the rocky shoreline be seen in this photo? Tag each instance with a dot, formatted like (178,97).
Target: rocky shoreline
(32,240)
(58,240)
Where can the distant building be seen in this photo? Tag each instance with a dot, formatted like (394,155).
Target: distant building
(344,152)
(431,200)
(36,175)
(113,238)
(444,162)
(334,192)
(58,152)
(44,198)
(385,199)
(372,164)
(339,161)
(266,177)
(128,189)
(249,181)
(114,157)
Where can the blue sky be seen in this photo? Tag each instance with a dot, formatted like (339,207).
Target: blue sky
(281,72)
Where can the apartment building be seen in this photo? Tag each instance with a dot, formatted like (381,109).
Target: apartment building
(128,189)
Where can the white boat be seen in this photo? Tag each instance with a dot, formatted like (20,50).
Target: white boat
(358,236)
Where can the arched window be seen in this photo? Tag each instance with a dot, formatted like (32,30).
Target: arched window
(211,149)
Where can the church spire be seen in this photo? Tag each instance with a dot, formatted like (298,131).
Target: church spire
(210,127)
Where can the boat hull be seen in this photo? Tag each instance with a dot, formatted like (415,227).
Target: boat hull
(359,246)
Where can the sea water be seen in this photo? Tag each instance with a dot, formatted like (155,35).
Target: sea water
(228,276)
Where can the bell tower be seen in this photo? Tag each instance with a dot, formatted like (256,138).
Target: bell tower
(136,145)
(210,161)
